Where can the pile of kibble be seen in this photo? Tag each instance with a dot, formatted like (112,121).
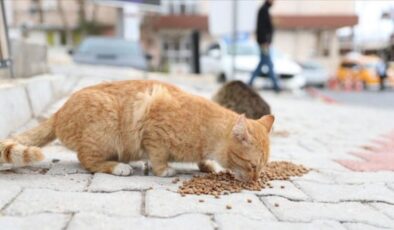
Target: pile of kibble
(217,184)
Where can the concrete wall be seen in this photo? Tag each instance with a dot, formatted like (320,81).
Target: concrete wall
(298,44)
(28,59)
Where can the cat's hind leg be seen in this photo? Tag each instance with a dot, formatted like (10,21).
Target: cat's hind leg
(96,161)
(159,160)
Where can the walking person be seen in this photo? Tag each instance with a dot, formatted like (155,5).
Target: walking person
(382,72)
(264,33)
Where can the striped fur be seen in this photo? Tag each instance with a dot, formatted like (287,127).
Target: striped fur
(23,149)
(19,155)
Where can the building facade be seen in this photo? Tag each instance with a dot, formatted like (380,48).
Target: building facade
(308,29)
(59,22)
(305,30)
(167,35)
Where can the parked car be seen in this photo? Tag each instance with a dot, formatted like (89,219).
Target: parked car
(110,51)
(217,60)
(357,67)
(314,73)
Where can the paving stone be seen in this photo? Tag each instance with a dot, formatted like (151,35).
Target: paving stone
(7,194)
(109,183)
(74,182)
(360,226)
(301,211)
(317,162)
(66,161)
(289,190)
(66,168)
(43,221)
(5,166)
(33,201)
(387,209)
(364,177)
(232,222)
(391,186)
(162,203)
(319,176)
(344,192)
(98,222)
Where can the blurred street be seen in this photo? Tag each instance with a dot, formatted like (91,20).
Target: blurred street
(372,99)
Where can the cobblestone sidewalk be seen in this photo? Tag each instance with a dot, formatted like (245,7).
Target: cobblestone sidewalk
(59,194)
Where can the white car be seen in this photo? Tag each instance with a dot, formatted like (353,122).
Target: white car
(218,60)
(315,74)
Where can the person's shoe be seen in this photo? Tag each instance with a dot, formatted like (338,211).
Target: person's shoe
(277,90)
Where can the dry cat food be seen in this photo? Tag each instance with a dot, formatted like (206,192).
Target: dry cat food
(224,183)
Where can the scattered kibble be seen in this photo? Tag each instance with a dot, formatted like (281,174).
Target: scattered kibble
(224,183)
(55,160)
(282,186)
(249,201)
(276,205)
(229,207)
(201,201)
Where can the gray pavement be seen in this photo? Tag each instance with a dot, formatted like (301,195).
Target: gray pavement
(368,98)
(58,194)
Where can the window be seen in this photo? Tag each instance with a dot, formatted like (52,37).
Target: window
(180,7)
(183,8)
(49,5)
(165,46)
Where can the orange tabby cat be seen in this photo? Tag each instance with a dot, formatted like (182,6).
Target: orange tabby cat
(112,124)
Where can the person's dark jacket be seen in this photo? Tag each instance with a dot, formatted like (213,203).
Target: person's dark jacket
(265,29)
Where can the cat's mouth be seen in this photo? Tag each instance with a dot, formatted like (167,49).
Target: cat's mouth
(245,176)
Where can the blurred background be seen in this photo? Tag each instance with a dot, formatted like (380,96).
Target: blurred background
(338,50)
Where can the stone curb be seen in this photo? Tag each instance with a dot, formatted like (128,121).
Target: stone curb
(22,100)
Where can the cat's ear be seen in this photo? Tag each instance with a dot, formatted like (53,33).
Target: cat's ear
(240,129)
(267,121)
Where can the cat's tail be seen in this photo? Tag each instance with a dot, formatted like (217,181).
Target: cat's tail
(23,149)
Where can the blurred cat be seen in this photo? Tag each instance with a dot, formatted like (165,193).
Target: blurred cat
(112,124)
(242,99)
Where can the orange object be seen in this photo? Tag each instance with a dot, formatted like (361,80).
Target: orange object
(362,69)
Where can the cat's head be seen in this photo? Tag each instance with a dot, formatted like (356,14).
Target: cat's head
(248,147)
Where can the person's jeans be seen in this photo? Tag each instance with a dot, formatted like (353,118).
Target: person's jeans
(265,60)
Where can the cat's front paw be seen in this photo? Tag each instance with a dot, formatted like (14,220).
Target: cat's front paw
(122,169)
(168,172)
